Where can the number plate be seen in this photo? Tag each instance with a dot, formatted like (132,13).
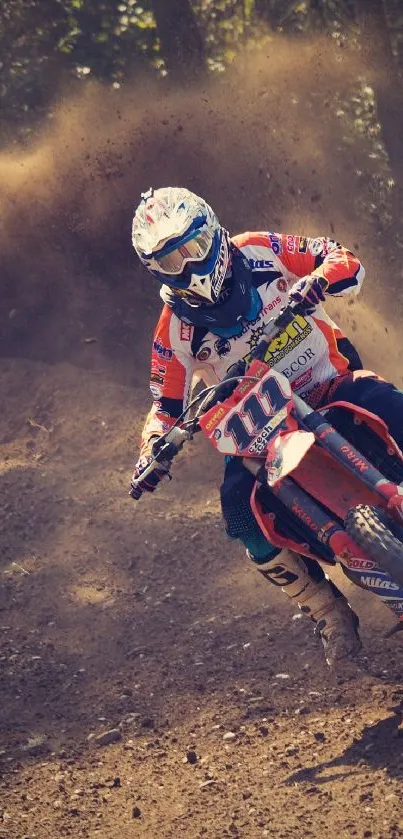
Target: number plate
(252,415)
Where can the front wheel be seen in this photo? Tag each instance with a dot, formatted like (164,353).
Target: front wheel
(379,537)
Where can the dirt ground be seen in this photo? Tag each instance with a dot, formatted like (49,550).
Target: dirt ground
(152,685)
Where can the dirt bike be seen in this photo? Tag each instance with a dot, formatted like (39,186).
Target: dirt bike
(329,482)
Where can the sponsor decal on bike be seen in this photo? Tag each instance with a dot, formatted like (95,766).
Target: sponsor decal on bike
(186,332)
(356,563)
(204,354)
(259,445)
(396,605)
(378,582)
(354,458)
(256,406)
(286,341)
(301,361)
(162,352)
(305,517)
(156,390)
(215,418)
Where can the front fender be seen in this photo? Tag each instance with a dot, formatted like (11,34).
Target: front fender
(285,452)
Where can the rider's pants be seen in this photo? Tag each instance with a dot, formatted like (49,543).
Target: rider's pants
(375,395)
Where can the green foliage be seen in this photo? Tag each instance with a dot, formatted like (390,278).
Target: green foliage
(43,44)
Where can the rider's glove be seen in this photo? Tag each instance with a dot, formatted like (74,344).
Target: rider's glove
(309,292)
(150,482)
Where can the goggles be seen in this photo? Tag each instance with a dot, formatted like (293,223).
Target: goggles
(195,250)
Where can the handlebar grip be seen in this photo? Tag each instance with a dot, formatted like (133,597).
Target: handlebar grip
(225,388)
(135,491)
(237,369)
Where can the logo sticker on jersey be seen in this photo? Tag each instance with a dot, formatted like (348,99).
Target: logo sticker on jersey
(321,247)
(255,336)
(156,390)
(281,285)
(162,352)
(260,264)
(302,380)
(303,244)
(186,332)
(204,354)
(157,378)
(270,306)
(300,362)
(275,243)
(294,334)
(222,346)
(317,247)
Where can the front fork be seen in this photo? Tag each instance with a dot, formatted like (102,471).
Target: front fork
(361,570)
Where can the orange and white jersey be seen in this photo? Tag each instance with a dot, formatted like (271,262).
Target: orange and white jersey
(310,352)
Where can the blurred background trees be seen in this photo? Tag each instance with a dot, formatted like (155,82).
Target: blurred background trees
(44,44)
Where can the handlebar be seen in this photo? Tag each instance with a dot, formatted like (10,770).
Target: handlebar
(169,444)
(164,451)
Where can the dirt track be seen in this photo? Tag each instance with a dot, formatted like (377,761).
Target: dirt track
(145,619)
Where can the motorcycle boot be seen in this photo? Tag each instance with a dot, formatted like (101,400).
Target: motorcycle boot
(304,581)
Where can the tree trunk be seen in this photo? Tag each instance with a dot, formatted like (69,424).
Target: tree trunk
(181,43)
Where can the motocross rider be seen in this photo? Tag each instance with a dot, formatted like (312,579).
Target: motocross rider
(219,293)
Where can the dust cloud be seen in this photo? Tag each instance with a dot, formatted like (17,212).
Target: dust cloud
(114,611)
(267,144)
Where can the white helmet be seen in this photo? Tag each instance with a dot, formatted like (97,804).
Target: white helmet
(178,237)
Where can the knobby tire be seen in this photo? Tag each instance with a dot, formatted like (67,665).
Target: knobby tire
(376,535)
